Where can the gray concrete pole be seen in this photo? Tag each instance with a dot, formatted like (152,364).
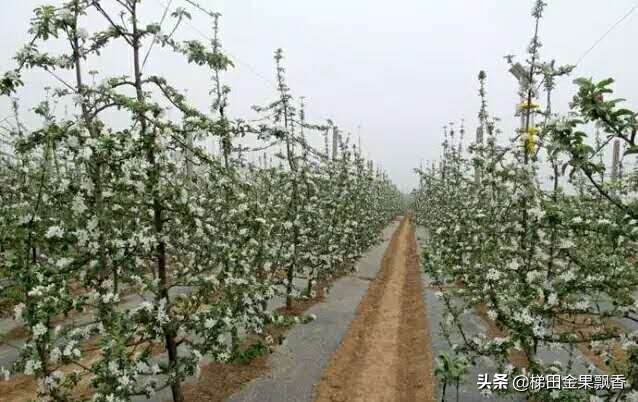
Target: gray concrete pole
(615,163)
(335,141)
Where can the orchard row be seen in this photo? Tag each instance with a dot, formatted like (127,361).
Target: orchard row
(141,243)
(549,263)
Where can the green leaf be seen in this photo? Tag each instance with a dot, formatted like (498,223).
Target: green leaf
(605,83)
(623,112)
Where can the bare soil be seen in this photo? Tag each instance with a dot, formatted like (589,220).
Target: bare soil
(385,355)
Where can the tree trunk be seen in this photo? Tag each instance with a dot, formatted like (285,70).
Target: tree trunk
(158,222)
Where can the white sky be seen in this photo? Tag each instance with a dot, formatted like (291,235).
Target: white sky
(399,69)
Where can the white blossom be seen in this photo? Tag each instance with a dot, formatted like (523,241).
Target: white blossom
(38,330)
(54,232)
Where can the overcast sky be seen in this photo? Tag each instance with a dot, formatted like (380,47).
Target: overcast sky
(398,69)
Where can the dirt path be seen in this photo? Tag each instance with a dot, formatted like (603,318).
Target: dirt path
(385,355)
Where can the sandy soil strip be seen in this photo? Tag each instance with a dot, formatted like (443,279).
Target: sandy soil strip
(385,355)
